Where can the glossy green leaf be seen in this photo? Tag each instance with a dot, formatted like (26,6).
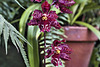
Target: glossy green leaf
(94,30)
(30,50)
(33,54)
(25,16)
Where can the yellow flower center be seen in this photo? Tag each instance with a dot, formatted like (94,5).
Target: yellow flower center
(58,51)
(44,18)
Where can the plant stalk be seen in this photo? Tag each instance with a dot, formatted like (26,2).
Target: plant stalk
(44,48)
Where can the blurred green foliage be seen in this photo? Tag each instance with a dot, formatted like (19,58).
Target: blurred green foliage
(11,10)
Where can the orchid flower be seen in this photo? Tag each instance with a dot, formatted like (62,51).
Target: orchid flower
(58,51)
(62,4)
(45,18)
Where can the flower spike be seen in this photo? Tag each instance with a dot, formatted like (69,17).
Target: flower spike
(59,51)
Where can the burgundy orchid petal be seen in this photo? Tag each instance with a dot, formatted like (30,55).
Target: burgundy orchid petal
(63,40)
(60,63)
(45,27)
(45,7)
(55,0)
(56,42)
(62,4)
(33,22)
(37,14)
(65,56)
(52,14)
(69,3)
(64,9)
(59,51)
(65,48)
(49,52)
(56,56)
(54,61)
(62,1)
(56,25)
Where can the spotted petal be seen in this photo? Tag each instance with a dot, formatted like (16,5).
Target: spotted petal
(69,3)
(49,52)
(64,56)
(64,9)
(52,14)
(37,14)
(56,60)
(56,25)
(44,27)
(33,22)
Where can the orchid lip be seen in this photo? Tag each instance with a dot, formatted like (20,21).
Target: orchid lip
(57,51)
(44,17)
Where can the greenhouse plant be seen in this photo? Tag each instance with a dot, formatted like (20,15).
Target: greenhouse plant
(57,32)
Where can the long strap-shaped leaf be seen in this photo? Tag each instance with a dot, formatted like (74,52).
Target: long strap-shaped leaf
(25,17)
(79,12)
(95,31)
(33,54)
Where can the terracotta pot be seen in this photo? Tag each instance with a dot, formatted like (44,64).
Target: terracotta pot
(81,40)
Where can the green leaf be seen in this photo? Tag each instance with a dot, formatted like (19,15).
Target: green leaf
(25,17)
(95,31)
(33,54)
(63,18)
(19,4)
(6,35)
(30,50)
(90,7)
(80,1)
(79,12)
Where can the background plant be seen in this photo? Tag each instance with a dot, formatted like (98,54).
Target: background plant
(13,10)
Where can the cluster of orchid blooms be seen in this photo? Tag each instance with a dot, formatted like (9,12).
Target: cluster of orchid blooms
(45,19)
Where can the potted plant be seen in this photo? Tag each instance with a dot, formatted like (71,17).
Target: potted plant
(81,34)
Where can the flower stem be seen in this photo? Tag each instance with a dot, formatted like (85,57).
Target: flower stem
(44,47)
